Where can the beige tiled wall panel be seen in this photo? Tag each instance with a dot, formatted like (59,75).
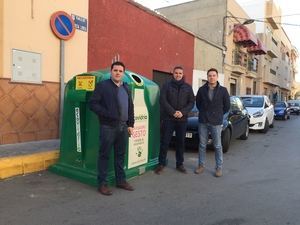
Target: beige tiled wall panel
(28,112)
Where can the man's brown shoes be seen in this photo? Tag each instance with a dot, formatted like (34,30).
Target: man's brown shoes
(126,186)
(103,189)
(159,169)
(199,169)
(181,169)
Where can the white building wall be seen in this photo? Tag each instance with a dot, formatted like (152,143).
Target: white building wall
(200,77)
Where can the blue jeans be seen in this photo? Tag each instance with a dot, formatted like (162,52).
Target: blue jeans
(215,131)
(116,138)
(168,127)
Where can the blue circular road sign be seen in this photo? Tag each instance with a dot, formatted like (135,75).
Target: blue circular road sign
(62,25)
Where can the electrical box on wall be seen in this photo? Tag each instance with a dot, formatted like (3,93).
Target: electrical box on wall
(26,66)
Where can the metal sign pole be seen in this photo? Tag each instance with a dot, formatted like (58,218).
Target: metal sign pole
(62,82)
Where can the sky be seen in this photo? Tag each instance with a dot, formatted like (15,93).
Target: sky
(288,8)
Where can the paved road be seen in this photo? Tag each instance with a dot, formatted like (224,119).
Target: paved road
(260,186)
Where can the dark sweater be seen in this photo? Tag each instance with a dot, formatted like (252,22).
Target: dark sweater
(104,102)
(212,111)
(176,96)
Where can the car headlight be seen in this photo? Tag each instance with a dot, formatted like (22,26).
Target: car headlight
(258,113)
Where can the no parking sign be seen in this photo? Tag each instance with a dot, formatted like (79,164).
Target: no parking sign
(62,25)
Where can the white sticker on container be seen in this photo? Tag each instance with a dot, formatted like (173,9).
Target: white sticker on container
(77,125)
(138,142)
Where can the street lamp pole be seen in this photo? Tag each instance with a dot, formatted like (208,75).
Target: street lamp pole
(246,22)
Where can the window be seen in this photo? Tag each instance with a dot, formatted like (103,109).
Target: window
(272,71)
(254,87)
(252,64)
(255,102)
(233,104)
(239,58)
(233,86)
(248,91)
(280,104)
(274,41)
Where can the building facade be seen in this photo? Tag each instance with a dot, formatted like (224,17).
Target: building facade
(29,67)
(206,56)
(277,74)
(295,94)
(222,23)
(147,43)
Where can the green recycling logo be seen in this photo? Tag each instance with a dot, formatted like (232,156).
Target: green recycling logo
(139,151)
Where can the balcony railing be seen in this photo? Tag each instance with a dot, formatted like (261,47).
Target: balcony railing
(252,64)
(239,58)
(244,63)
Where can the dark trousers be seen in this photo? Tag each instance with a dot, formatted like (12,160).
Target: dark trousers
(168,127)
(116,138)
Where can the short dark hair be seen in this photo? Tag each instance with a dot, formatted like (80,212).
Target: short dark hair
(212,69)
(177,67)
(117,63)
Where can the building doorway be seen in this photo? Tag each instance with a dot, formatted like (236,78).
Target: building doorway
(160,77)
(233,86)
(254,88)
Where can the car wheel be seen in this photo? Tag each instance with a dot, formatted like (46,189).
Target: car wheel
(266,127)
(289,117)
(298,113)
(226,140)
(284,117)
(245,135)
(272,125)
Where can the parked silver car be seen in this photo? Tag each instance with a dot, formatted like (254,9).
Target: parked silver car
(294,106)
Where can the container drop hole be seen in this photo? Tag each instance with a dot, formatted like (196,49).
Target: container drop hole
(136,78)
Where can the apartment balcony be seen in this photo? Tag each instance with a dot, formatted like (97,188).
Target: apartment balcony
(239,62)
(272,46)
(273,14)
(252,68)
(251,74)
(272,53)
(271,77)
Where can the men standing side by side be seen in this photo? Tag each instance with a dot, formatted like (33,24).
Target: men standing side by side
(213,102)
(112,102)
(176,101)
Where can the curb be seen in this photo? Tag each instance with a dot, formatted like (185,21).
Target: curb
(20,165)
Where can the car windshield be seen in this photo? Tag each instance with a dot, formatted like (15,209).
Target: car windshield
(280,104)
(293,104)
(253,101)
(194,112)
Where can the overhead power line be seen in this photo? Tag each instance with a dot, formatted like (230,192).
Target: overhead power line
(296,14)
(265,21)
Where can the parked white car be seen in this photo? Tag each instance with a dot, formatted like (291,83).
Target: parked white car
(261,112)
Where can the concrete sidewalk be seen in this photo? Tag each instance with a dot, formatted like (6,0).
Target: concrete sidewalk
(28,157)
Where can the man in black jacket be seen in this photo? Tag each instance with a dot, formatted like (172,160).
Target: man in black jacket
(112,102)
(176,101)
(213,102)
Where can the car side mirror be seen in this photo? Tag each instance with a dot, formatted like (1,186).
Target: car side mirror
(235,112)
